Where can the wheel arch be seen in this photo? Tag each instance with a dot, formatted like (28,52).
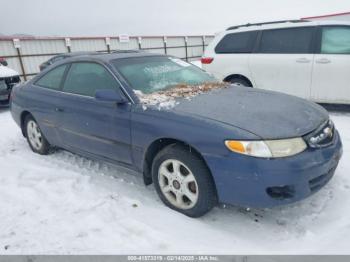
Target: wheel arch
(159,144)
(238,76)
(23,117)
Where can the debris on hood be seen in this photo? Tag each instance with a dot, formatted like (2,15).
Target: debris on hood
(166,99)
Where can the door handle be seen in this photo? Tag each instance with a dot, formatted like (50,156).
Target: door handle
(303,60)
(323,61)
(59,109)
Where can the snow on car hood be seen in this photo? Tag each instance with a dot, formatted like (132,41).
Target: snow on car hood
(270,115)
(7,72)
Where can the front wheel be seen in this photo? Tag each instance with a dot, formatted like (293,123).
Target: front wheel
(183,181)
(35,138)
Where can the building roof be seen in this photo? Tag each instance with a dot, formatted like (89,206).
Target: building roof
(325,16)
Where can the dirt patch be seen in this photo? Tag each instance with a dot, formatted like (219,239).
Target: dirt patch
(166,98)
(183,90)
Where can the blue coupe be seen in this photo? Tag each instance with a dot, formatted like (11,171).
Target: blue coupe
(200,142)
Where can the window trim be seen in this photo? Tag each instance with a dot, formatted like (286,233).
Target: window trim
(312,45)
(319,39)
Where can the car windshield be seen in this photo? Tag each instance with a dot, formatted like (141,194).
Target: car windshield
(156,73)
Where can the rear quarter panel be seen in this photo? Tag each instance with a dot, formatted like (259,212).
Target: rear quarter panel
(39,102)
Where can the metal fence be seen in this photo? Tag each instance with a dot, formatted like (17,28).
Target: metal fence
(26,54)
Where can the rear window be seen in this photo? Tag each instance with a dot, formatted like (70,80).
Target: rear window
(53,78)
(287,41)
(237,43)
(335,40)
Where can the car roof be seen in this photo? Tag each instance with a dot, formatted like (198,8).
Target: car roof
(107,57)
(81,53)
(78,53)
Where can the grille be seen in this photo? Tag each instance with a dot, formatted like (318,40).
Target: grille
(322,136)
(321,180)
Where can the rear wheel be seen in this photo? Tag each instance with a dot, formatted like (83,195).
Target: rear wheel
(240,82)
(35,138)
(183,182)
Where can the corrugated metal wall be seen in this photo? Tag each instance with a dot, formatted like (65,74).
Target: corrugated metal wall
(27,54)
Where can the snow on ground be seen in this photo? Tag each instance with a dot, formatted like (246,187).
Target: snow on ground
(67,204)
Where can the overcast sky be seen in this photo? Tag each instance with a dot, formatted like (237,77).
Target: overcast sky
(150,17)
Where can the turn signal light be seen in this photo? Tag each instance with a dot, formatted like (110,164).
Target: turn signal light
(235,146)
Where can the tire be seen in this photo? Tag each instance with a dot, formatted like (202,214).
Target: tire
(191,189)
(35,138)
(240,82)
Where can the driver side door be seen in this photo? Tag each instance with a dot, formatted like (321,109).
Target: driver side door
(89,125)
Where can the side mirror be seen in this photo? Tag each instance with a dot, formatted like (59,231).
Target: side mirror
(108,95)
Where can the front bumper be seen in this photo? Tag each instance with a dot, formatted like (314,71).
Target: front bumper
(257,182)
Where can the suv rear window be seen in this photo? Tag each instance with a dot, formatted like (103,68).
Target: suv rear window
(335,40)
(237,43)
(287,41)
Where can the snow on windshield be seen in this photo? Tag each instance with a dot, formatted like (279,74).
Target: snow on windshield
(166,99)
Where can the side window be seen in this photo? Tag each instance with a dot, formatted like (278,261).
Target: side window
(335,40)
(85,78)
(53,78)
(237,43)
(287,41)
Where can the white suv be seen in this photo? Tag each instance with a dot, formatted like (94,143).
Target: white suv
(307,59)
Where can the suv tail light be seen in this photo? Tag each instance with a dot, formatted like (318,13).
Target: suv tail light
(207,60)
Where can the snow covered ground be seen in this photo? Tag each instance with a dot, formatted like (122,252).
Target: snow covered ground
(67,204)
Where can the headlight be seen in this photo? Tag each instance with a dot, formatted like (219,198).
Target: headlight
(268,148)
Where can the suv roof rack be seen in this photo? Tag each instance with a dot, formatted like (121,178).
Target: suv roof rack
(267,23)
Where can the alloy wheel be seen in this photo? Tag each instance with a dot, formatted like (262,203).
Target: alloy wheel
(34,135)
(178,184)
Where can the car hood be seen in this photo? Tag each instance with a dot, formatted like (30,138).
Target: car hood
(7,72)
(267,114)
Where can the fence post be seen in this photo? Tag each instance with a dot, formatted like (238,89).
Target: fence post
(203,42)
(68,44)
(108,44)
(139,39)
(186,48)
(165,44)
(17,44)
